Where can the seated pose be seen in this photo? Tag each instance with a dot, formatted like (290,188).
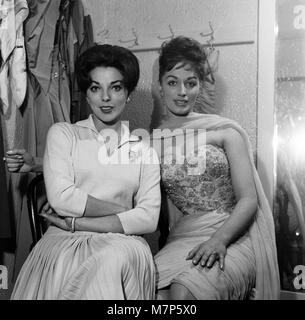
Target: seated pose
(222,245)
(104,194)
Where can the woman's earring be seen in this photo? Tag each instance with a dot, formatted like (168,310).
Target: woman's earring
(128,100)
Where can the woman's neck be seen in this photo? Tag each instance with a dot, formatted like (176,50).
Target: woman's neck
(172,117)
(100,125)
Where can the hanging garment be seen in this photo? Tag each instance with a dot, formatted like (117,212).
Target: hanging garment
(73,36)
(42,107)
(13,68)
(5,223)
(12,93)
(51,107)
(39,36)
(48,97)
(48,79)
(79,107)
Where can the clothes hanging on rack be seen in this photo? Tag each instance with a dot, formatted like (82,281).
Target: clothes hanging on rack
(39,37)
(80,110)
(73,36)
(47,108)
(12,85)
(91,8)
(43,106)
(55,32)
(47,78)
(13,57)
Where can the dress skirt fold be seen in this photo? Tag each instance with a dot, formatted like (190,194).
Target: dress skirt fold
(87,265)
(234,283)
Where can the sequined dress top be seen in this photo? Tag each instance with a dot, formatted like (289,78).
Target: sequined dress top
(202,183)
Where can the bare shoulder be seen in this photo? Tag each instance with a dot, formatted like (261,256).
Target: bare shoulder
(231,136)
(223,137)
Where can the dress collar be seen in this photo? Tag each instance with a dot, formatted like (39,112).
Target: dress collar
(125,137)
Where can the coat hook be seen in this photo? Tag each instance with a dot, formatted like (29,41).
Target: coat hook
(169,37)
(211,35)
(104,33)
(135,40)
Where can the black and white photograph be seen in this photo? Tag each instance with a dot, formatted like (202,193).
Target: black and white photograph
(152,150)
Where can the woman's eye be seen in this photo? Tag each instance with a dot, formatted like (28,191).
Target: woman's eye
(117,88)
(172,83)
(191,84)
(94,88)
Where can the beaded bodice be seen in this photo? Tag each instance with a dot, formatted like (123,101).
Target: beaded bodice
(200,184)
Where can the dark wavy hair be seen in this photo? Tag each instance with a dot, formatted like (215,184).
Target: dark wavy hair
(107,56)
(182,50)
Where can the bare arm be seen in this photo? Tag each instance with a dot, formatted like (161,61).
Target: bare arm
(241,217)
(244,189)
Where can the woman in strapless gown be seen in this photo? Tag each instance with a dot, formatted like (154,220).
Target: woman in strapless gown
(205,200)
(221,242)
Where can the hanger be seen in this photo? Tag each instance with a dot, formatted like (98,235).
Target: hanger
(168,37)
(210,41)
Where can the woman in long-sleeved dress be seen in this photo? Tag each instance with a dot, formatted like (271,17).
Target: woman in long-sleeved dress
(104,189)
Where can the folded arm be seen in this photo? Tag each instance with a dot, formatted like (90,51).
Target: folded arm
(62,193)
(143,218)
(94,214)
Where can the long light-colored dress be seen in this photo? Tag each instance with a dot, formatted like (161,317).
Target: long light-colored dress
(200,190)
(88,265)
(206,200)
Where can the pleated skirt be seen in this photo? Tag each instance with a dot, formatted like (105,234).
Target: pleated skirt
(87,265)
(234,283)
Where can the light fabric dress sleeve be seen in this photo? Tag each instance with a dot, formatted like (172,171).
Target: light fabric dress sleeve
(62,193)
(143,218)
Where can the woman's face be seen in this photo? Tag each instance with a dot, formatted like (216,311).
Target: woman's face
(179,88)
(106,94)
